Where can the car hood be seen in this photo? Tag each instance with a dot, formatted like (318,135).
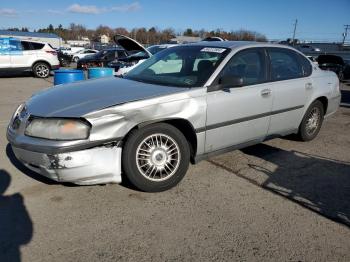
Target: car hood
(129,44)
(80,98)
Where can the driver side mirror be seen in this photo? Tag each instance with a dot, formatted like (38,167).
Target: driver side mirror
(228,81)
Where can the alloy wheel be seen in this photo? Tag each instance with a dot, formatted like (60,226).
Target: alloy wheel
(313,121)
(158,157)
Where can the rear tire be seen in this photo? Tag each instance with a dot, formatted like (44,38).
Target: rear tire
(75,59)
(312,121)
(41,70)
(156,157)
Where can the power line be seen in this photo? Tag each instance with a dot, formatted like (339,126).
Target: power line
(295,28)
(346,32)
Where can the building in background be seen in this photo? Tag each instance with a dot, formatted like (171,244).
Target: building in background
(84,42)
(54,40)
(104,39)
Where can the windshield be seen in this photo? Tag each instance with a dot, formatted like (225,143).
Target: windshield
(183,66)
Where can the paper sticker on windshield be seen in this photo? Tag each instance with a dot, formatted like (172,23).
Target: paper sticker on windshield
(213,50)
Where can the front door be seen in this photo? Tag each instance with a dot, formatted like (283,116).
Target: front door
(240,115)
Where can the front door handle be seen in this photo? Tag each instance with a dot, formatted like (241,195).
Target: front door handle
(308,86)
(265,92)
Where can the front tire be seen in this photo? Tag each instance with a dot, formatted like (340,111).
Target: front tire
(75,59)
(156,157)
(41,70)
(312,121)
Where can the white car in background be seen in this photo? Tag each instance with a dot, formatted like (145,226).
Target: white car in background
(27,56)
(83,53)
(71,50)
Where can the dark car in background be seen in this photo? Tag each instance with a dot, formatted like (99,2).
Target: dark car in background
(102,58)
(336,64)
(64,59)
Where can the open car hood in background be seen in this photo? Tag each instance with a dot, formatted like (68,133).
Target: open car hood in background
(130,45)
(330,59)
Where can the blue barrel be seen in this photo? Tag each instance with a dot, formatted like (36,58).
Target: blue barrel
(97,72)
(64,76)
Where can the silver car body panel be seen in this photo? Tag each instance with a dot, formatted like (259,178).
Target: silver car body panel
(222,119)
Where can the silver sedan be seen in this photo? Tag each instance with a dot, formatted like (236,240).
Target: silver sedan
(182,105)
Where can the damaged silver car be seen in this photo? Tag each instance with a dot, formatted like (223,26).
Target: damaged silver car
(181,105)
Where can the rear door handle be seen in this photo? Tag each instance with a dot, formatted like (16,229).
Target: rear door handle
(265,92)
(308,86)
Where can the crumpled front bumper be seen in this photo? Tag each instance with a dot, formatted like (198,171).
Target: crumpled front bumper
(98,165)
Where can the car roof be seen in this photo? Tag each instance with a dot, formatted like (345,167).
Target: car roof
(237,44)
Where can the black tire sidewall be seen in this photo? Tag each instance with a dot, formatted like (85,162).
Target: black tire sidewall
(302,130)
(130,169)
(36,65)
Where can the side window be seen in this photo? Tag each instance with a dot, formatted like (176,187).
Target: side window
(37,46)
(26,45)
(305,63)
(121,54)
(110,54)
(249,65)
(284,64)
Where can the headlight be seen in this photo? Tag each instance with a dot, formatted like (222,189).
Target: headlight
(58,129)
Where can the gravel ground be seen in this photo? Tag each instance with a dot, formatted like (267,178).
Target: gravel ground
(281,200)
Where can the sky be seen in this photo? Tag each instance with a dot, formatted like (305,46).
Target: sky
(317,20)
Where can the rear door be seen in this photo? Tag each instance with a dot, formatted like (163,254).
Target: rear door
(240,115)
(291,87)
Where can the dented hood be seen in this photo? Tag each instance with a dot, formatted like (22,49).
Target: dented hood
(80,98)
(130,45)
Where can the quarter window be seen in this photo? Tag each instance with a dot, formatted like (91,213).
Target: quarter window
(248,65)
(284,64)
(305,63)
(37,46)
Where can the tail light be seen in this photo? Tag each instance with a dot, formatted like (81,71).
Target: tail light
(51,52)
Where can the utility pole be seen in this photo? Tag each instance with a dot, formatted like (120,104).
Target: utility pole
(345,34)
(295,29)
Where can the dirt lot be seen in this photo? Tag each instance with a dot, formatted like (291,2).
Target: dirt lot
(282,200)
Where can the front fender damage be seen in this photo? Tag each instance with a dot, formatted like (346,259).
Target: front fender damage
(117,121)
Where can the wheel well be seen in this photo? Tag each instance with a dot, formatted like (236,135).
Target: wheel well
(188,131)
(324,102)
(185,128)
(41,61)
